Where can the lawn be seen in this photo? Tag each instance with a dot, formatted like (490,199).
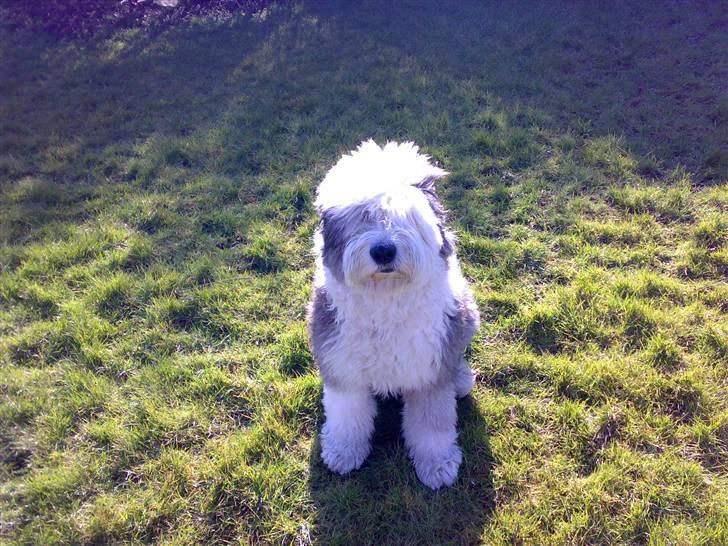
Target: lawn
(156,190)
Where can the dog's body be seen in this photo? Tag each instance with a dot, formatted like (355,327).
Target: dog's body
(391,312)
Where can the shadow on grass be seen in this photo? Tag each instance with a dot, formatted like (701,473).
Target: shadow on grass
(286,95)
(385,495)
(592,69)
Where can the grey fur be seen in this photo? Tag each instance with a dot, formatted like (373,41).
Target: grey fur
(427,185)
(461,326)
(334,234)
(337,227)
(322,329)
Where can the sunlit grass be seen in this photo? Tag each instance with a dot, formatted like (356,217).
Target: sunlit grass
(156,196)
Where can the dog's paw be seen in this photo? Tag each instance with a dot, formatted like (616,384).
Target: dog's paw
(464,381)
(440,470)
(343,457)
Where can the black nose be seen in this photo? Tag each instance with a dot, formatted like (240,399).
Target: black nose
(383,253)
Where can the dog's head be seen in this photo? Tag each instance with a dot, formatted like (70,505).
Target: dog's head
(382,224)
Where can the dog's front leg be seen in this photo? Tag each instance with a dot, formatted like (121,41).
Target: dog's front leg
(347,432)
(429,419)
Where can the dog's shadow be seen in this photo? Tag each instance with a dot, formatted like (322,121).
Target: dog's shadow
(384,503)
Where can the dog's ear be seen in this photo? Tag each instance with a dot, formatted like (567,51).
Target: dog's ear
(427,185)
(428,182)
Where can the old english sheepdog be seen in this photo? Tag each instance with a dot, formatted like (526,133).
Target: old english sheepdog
(391,313)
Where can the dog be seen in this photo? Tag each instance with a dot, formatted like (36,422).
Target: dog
(390,312)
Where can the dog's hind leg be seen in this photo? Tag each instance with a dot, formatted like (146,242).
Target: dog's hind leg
(346,434)
(428,423)
(464,379)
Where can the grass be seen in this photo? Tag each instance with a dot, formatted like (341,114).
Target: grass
(156,193)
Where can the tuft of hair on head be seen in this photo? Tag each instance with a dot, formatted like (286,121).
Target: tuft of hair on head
(370,170)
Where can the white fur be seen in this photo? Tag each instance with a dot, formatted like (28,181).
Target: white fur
(370,170)
(391,325)
(346,435)
(432,439)
(404,323)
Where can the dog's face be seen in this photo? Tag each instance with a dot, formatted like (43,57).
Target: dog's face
(382,225)
(393,238)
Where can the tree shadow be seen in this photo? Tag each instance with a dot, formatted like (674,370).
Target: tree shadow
(296,90)
(651,76)
(76,115)
(385,497)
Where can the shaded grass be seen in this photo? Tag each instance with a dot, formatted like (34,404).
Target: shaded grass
(155,265)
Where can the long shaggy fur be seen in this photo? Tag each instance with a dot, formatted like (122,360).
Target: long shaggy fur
(399,327)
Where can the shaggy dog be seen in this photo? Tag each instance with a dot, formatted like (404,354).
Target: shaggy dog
(391,313)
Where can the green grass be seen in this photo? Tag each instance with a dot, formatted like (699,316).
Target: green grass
(156,194)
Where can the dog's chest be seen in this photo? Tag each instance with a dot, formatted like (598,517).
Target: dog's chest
(393,345)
